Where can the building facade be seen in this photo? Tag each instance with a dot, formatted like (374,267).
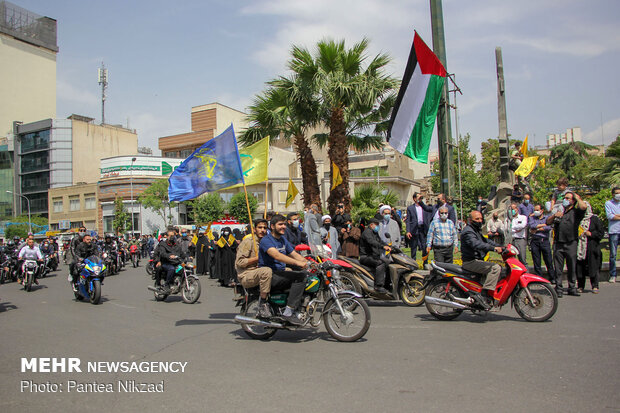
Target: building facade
(571,135)
(73,206)
(55,153)
(28,48)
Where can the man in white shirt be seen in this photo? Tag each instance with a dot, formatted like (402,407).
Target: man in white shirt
(29,252)
(518,229)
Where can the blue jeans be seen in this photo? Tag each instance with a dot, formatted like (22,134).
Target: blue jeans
(613,251)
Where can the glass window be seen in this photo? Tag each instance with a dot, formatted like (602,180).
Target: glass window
(76,224)
(57,204)
(107,224)
(74,204)
(226,196)
(260,197)
(90,201)
(282,197)
(35,161)
(36,182)
(186,152)
(38,204)
(171,154)
(35,141)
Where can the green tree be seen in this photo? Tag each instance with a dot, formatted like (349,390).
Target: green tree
(609,172)
(286,110)
(208,208)
(237,207)
(567,155)
(543,181)
(598,204)
(122,218)
(352,98)
(19,230)
(366,200)
(155,198)
(489,157)
(583,176)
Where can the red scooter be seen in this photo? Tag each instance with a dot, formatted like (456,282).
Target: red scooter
(449,289)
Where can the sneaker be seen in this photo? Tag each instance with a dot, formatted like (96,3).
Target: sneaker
(579,290)
(294,318)
(559,291)
(612,279)
(74,287)
(264,310)
(36,281)
(69,278)
(595,290)
(573,292)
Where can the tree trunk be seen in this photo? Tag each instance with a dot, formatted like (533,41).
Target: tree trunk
(309,176)
(338,154)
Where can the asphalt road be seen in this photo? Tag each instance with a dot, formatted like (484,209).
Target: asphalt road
(407,361)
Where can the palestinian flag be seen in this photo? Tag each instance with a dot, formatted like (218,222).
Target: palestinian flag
(415,110)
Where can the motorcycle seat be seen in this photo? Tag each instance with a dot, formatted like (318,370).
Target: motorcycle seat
(457,269)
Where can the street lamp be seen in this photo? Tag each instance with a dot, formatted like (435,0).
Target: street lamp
(131,190)
(28,201)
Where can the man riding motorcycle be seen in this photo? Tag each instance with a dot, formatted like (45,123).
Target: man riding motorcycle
(30,252)
(170,255)
(85,249)
(249,273)
(372,254)
(276,252)
(473,249)
(77,239)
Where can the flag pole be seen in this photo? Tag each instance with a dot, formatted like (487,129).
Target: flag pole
(266,188)
(247,203)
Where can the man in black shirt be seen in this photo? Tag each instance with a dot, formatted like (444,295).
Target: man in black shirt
(372,254)
(566,229)
(292,232)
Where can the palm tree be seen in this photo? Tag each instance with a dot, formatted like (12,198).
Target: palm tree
(284,112)
(352,99)
(567,155)
(610,171)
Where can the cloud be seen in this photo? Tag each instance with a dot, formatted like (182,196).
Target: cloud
(611,129)
(68,92)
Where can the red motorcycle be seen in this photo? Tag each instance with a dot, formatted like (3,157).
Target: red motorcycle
(318,256)
(449,289)
(135,255)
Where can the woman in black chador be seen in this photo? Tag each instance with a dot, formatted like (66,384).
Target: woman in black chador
(226,251)
(202,254)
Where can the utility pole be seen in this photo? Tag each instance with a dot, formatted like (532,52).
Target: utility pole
(444,128)
(504,145)
(103,81)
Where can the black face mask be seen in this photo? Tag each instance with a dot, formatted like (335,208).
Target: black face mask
(327,226)
(477,225)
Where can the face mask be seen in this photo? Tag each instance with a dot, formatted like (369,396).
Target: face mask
(327,226)
(537,213)
(617,197)
(527,201)
(480,201)
(376,228)
(477,225)
(225,233)
(295,222)
(386,218)
(349,226)
(566,203)
(184,235)
(513,212)
(443,216)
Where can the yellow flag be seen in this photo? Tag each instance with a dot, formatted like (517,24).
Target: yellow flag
(542,163)
(254,162)
(524,147)
(291,193)
(527,166)
(195,239)
(337,178)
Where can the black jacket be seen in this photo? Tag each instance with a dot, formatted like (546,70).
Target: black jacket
(371,244)
(85,250)
(473,245)
(295,236)
(412,218)
(166,250)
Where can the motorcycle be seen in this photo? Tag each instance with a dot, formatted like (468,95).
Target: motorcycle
(92,271)
(47,265)
(134,251)
(110,261)
(403,280)
(449,289)
(7,270)
(30,269)
(185,281)
(345,314)
(150,266)
(320,255)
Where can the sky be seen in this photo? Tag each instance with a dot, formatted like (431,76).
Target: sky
(561,57)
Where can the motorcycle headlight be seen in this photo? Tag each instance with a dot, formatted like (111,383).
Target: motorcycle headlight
(96,269)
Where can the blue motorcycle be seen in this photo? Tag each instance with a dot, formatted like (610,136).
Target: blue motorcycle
(92,271)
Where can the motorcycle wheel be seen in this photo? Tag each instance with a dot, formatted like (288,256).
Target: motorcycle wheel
(192,294)
(134,262)
(544,306)
(255,332)
(438,290)
(349,283)
(28,283)
(350,325)
(415,297)
(95,293)
(149,269)
(3,276)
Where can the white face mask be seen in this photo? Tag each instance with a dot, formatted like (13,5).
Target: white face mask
(617,197)
(537,213)
(443,216)
(295,222)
